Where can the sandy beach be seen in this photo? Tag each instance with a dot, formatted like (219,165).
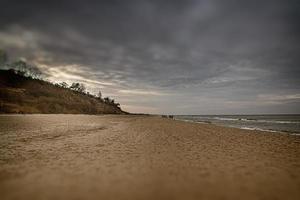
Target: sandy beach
(140,157)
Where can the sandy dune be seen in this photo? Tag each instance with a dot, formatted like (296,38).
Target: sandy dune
(135,157)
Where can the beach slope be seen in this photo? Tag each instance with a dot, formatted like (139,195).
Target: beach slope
(140,157)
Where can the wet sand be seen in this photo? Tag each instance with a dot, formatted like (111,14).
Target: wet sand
(138,157)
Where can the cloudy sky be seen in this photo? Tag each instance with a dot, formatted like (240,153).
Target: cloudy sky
(165,56)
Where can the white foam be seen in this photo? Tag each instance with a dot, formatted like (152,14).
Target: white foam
(257,129)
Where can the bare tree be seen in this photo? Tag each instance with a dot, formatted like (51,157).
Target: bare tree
(78,87)
(63,85)
(110,101)
(106,99)
(82,88)
(99,95)
(24,69)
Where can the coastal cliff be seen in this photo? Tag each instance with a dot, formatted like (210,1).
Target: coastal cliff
(26,95)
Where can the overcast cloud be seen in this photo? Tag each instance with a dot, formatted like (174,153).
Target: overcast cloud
(180,57)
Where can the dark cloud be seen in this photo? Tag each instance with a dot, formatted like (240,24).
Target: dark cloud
(191,56)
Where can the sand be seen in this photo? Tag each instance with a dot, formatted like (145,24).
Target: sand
(139,157)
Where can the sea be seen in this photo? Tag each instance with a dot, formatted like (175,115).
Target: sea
(272,123)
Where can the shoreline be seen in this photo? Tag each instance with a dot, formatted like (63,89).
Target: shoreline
(142,157)
(242,127)
(183,120)
(177,119)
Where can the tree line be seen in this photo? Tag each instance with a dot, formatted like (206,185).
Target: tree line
(80,88)
(22,68)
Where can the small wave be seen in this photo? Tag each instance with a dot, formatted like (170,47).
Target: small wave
(226,119)
(270,130)
(279,122)
(256,120)
(254,128)
(184,120)
(272,121)
(258,129)
(203,121)
(297,134)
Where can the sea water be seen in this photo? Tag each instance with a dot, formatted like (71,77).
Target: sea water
(275,123)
